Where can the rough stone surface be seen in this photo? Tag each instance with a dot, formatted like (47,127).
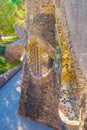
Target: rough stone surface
(77,21)
(44,25)
(14,53)
(39,97)
(40,22)
(71,16)
(21,32)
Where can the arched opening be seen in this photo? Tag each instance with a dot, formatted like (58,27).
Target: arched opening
(40,62)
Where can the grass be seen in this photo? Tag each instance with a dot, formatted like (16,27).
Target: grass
(6,66)
(9,40)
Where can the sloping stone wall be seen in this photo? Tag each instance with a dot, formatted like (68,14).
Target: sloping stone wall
(14,53)
(7,76)
(77,21)
(39,97)
(40,21)
(71,16)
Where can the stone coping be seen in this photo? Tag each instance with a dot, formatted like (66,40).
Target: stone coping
(4,78)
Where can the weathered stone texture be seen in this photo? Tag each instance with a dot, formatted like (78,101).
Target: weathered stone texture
(77,21)
(72,19)
(7,76)
(44,25)
(65,22)
(14,53)
(21,32)
(39,98)
(38,10)
(46,46)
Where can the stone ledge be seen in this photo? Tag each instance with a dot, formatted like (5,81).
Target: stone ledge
(7,76)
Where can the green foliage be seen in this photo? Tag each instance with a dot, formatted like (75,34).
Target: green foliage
(2,61)
(22,15)
(9,15)
(5,66)
(9,40)
(19,3)
(1,44)
(13,64)
(2,50)
(1,71)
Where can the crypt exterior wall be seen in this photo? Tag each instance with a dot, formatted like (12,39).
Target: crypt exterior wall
(77,21)
(39,97)
(71,16)
(40,21)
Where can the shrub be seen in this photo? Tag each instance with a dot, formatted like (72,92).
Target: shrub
(2,50)
(2,70)
(2,60)
(5,66)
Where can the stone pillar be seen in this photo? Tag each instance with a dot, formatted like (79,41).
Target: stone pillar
(39,97)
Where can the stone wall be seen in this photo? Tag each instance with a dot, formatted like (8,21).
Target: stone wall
(77,22)
(14,53)
(40,9)
(71,17)
(7,76)
(39,97)
(44,25)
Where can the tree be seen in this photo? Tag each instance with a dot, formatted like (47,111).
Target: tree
(19,3)
(21,11)
(9,15)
